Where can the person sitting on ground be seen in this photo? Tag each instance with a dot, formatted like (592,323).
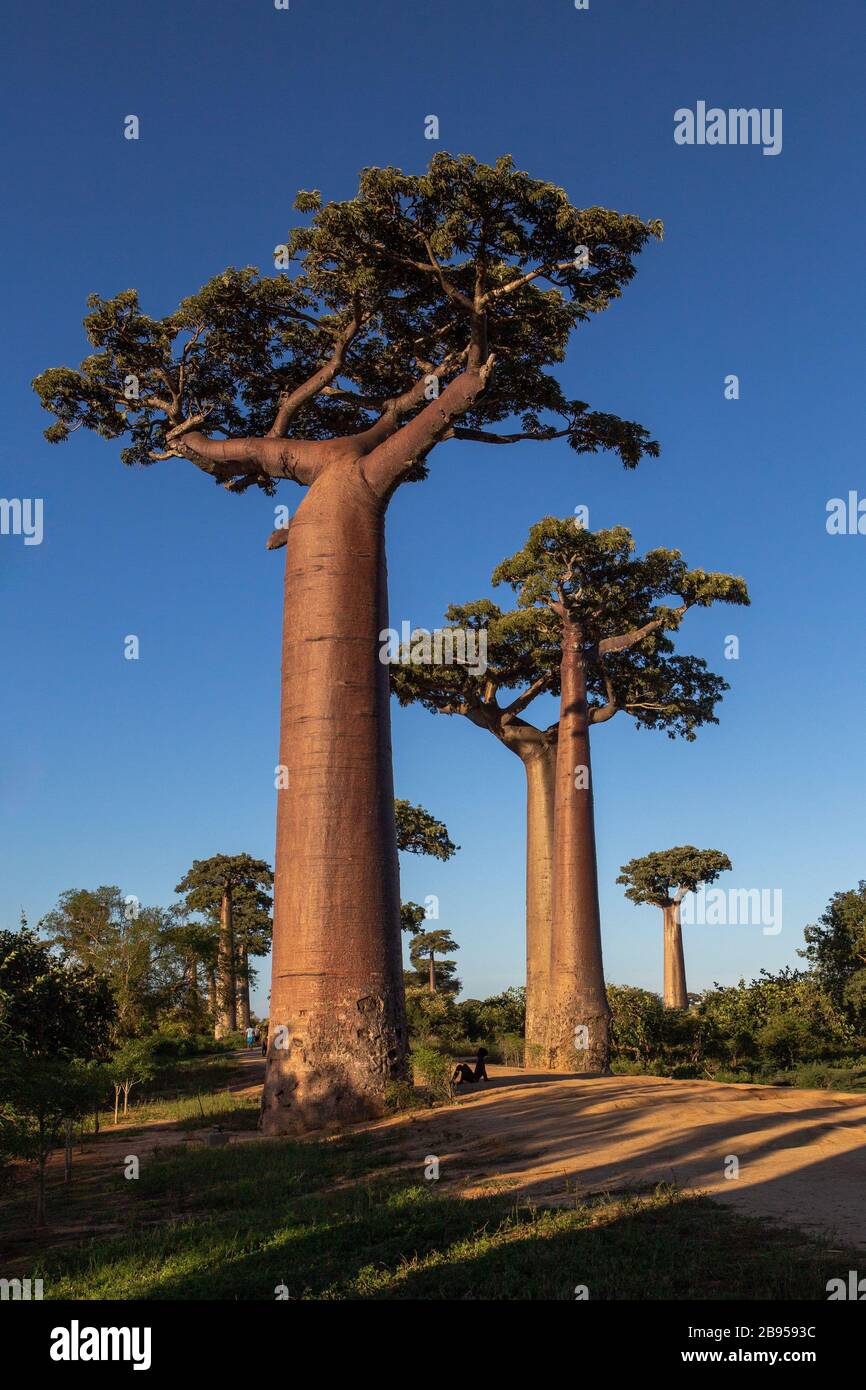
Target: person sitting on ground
(463,1072)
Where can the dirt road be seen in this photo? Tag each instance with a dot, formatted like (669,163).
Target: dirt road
(801,1155)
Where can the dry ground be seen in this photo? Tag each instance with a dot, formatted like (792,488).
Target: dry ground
(802,1154)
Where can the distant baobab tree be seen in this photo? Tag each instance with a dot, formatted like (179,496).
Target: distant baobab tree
(663,878)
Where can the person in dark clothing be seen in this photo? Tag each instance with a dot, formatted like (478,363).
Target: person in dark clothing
(463,1072)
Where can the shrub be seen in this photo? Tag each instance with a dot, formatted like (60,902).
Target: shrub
(432,1070)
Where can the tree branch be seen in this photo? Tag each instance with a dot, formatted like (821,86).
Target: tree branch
(389,460)
(292,401)
(630,639)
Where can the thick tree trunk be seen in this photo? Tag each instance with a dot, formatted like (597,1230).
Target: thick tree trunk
(337,1022)
(227,1013)
(580,1016)
(675,996)
(539,762)
(243,986)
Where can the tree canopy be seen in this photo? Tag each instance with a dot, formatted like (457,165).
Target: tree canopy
(623,606)
(665,876)
(386,299)
(418,832)
(51,1007)
(836,949)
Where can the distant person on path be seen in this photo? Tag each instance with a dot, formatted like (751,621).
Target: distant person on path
(463,1072)
(250,1037)
(264,1044)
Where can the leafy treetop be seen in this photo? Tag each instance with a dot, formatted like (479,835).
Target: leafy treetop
(615,599)
(664,877)
(469,273)
(620,607)
(418,832)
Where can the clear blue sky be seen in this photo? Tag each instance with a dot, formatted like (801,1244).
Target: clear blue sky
(123,772)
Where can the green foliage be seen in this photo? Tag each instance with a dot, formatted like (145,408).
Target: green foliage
(612,596)
(621,607)
(420,833)
(430,1016)
(51,1006)
(655,878)
(432,1070)
(836,949)
(130,945)
(401,261)
(637,1023)
(774,1021)
(411,916)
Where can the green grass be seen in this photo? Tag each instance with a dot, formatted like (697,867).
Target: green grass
(198,1111)
(336,1220)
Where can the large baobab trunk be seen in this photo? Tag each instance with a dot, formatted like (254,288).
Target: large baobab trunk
(539,762)
(227,1010)
(580,1016)
(675,996)
(337,1025)
(243,986)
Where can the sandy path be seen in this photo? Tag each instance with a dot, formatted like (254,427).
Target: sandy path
(802,1154)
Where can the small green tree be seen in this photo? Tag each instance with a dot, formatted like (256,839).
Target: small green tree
(41,1098)
(131,1065)
(836,950)
(50,1005)
(663,878)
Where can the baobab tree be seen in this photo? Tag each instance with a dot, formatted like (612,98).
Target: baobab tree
(253,931)
(213,885)
(663,878)
(609,612)
(428,308)
(522,663)
(424,948)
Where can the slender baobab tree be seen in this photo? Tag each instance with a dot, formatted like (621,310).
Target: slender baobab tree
(663,878)
(522,662)
(427,308)
(424,948)
(253,929)
(611,613)
(213,885)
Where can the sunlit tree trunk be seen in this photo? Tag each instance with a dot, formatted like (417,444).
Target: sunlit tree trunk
(227,1012)
(580,1016)
(337,1025)
(675,995)
(243,986)
(540,767)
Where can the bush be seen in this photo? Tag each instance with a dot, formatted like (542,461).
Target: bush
(432,1070)
(399,1095)
(510,1048)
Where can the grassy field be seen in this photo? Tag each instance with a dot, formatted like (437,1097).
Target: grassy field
(355,1219)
